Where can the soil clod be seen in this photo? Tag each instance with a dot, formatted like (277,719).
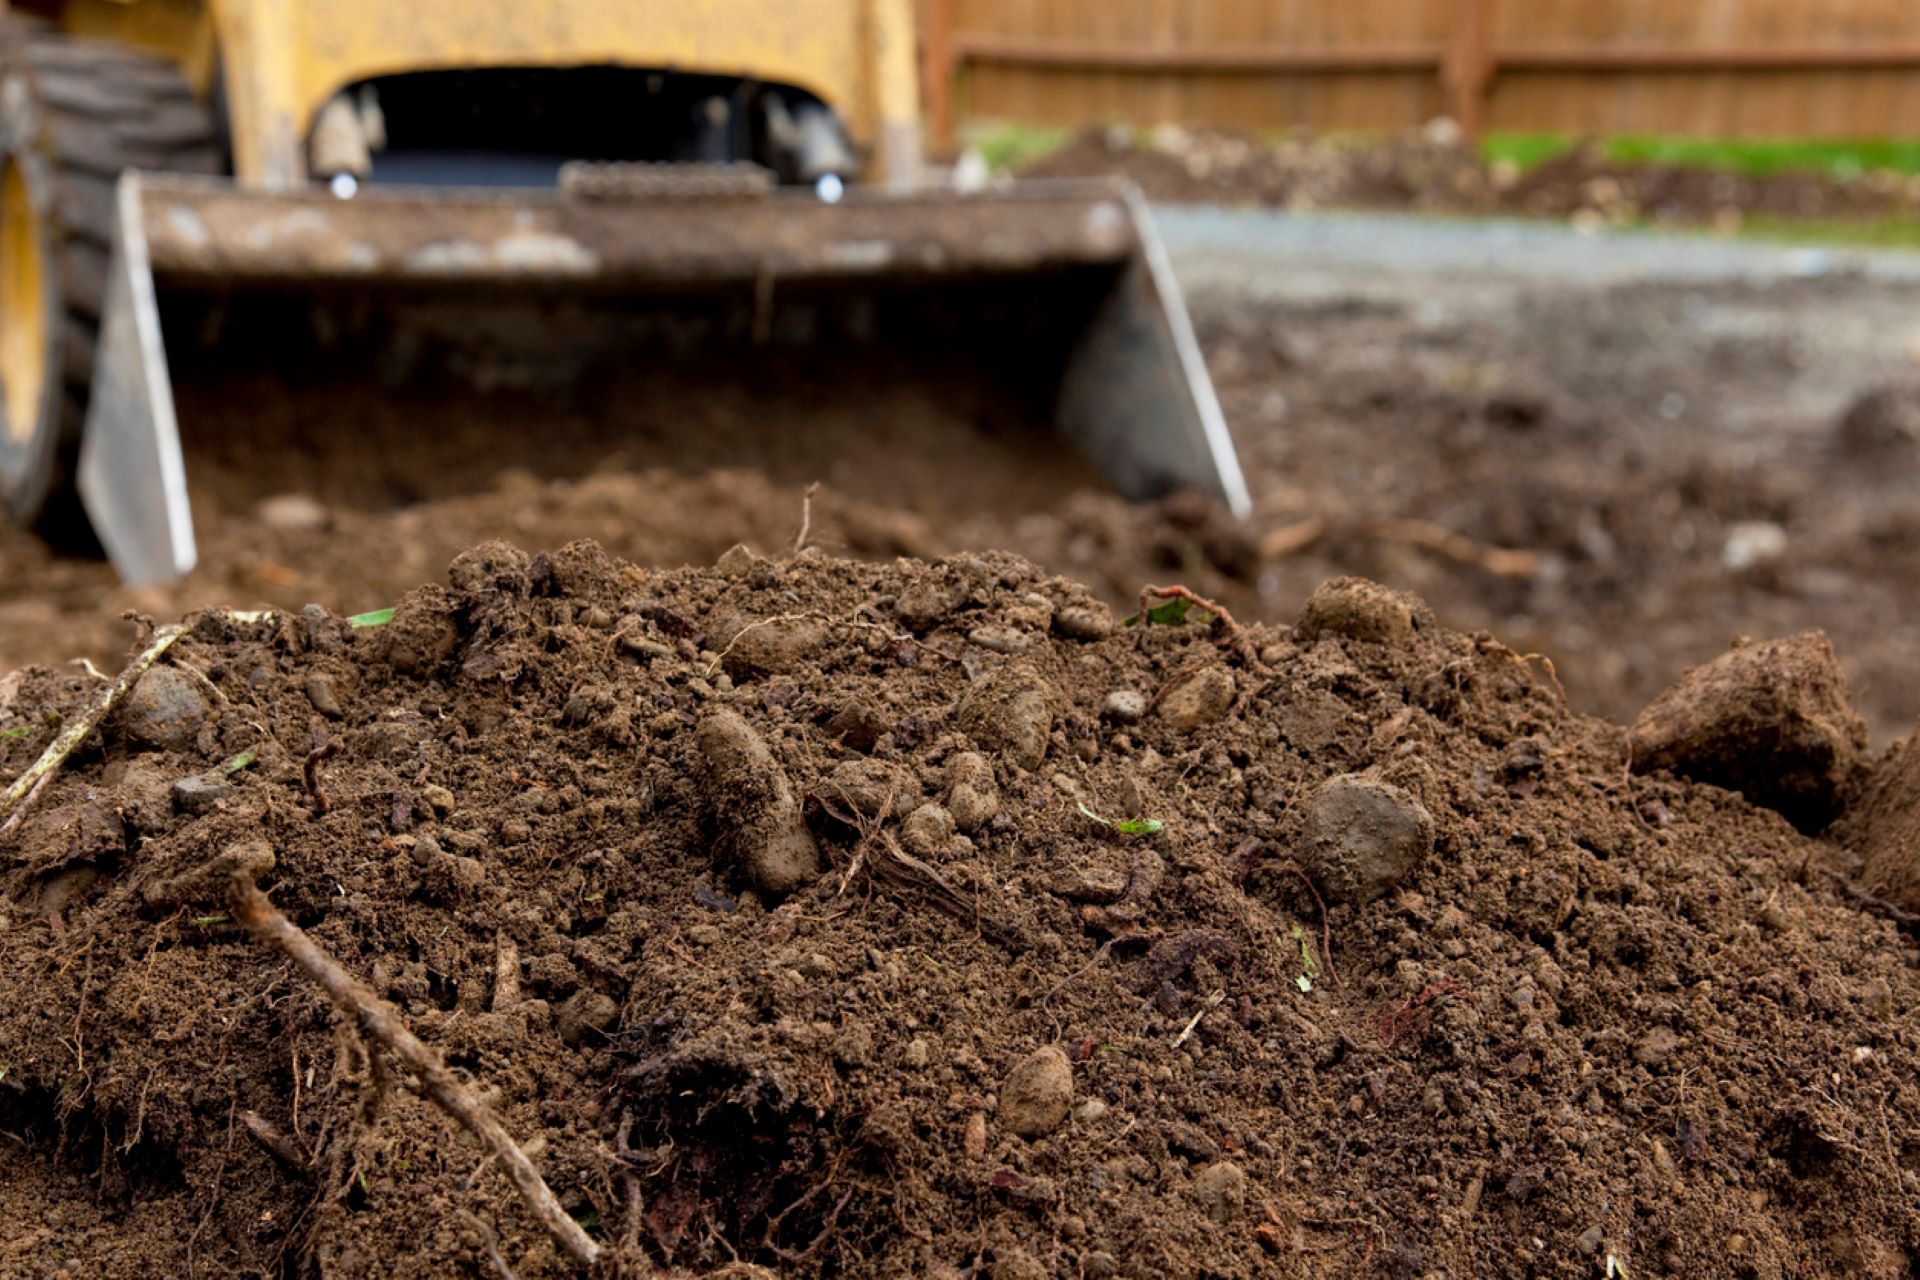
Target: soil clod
(1037,1094)
(752,804)
(1364,837)
(1769,720)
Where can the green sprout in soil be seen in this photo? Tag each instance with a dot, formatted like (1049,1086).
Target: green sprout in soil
(376,618)
(1309,967)
(1171,614)
(1126,826)
(235,764)
(207,922)
(18,731)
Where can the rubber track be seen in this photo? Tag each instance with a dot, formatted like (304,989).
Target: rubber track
(102,109)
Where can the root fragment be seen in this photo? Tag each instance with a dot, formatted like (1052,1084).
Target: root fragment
(380,1025)
(1235,635)
(29,783)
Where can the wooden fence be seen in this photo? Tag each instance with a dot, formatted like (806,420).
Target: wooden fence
(1708,68)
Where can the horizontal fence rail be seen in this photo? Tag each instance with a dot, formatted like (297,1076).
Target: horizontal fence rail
(1840,68)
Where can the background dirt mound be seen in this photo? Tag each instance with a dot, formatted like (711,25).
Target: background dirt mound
(1436,170)
(1062,996)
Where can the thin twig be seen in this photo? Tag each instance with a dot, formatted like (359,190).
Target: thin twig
(806,517)
(490,1242)
(379,1024)
(78,730)
(1501,562)
(1875,904)
(1186,1033)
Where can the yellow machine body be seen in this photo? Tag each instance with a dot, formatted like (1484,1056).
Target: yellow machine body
(283,59)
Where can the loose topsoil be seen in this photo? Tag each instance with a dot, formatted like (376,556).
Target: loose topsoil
(809,916)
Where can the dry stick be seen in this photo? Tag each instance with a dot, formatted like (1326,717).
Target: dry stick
(806,517)
(77,732)
(378,1024)
(1502,562)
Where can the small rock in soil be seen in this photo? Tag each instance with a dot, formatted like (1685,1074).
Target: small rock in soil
(1087,623)
(1037,1093)
(1198,698)
(869,788)
(293,512)
(1357,609)
(1364,837)
(1885,421)
(197,795)
(973,797)
(752,802)
(584,1017)
(1007,712)
(325,699)
(1124,706)
(1770,721)
(1222,1191)
(165,710)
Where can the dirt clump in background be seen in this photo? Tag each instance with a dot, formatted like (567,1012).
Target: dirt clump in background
(1436,170)
(842,917)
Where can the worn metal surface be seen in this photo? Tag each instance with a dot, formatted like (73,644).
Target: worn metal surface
(212,232)
(1077,264)
(132,476)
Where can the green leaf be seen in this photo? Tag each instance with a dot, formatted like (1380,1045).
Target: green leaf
(377,618)
(1171,614)
(18,731)
(241,761)
(205,921)
(1304,983)
(1125,826)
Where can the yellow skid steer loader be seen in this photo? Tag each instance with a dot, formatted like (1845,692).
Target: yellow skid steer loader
(740,175)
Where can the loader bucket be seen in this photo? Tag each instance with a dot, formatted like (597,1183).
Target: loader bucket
(1062,287)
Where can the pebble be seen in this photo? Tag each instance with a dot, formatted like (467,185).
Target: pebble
(323,696)
(1364,837)
(438,798)
(293,512)
(998,639)
(198,795)
(1089,1111)
(1198,698)
(1124,706)
(1086,623)
(1221,1190)
(1007,712)
(753,802)
(165,710)
(1037,1093)
(917,1054)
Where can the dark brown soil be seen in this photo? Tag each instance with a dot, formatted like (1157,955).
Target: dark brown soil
(1519,1012)
(1434,171)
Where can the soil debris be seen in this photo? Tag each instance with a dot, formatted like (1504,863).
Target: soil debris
(1769,720)
(1037,1046)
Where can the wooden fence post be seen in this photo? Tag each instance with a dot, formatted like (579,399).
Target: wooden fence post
(938,71)
(1469,67)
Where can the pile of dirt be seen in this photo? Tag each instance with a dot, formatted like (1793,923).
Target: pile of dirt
(833,917)
(1435,170)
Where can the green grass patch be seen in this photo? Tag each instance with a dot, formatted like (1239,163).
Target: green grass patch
(1015,146)
(1846,233)
(1757,156)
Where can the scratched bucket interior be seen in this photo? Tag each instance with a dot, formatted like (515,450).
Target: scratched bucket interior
(405,391)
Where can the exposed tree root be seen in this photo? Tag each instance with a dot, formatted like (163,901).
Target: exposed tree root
(1502,562)
(379,1025)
